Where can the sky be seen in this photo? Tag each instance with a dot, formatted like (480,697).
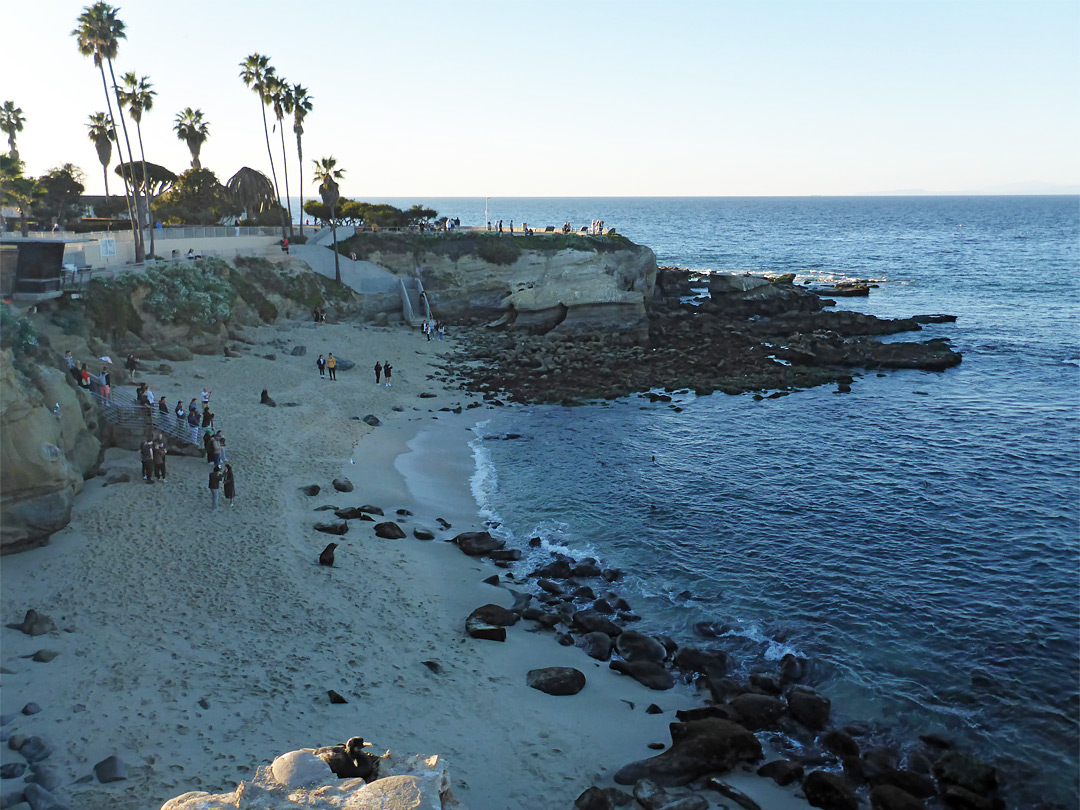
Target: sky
(586,98)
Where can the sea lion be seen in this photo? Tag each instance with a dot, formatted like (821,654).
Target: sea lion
(349,761)
(327,556)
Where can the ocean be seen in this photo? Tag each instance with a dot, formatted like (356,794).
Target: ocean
(916,539)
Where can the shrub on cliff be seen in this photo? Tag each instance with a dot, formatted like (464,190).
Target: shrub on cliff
(16,332)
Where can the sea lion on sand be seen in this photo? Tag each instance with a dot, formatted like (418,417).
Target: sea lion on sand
(327,556)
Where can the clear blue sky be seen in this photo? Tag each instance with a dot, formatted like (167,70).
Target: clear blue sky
(590,97)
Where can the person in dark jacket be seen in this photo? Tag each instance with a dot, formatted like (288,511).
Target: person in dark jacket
(229,480)
(146,455)
(215,487)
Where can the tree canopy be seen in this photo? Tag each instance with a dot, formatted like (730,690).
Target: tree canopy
(60,198)
(381,215)
(160,179)
(197,198)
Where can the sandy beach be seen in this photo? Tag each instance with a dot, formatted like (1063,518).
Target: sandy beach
(197,645)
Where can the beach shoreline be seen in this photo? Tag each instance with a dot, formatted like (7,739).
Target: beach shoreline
(197,645)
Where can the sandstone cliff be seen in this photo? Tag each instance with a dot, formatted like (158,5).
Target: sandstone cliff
(44,455)
(537,284)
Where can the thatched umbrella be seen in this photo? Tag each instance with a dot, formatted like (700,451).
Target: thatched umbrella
(253,191)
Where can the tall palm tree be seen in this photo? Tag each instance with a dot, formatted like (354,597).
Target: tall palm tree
(327,174)
(102,135)
(281,100)
(301,106)
(98,34)
(11,123)
(192,130)
(255,71)
(138,95)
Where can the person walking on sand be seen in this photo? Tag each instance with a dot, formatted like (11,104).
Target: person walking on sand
(331,366)
(378,371)
(321,363)
(146,455)
(130,364)
(229,480)
(215,488)
(159,457)
(387,368)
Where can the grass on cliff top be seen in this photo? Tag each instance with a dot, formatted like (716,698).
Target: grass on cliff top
(202,292)
(491,247)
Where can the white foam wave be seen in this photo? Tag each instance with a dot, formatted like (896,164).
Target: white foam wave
(484,482)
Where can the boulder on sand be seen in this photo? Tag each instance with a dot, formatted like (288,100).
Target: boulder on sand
(556,680)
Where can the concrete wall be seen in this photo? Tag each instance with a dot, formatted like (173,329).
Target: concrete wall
(88,251)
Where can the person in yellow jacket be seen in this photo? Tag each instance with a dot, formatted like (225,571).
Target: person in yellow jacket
(331,366)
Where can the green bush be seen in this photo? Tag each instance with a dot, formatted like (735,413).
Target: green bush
(16,332)
(189,292)
(497,249)
(109,305)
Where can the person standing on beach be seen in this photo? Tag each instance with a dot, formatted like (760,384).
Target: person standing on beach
(378,371)
(219,437)
(321,363)
(229,480)
(387,368)
(215,487)
(159,457)
(130,365)
(331,366)
(146,455)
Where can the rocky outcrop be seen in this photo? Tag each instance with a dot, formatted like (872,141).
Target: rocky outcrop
(304,779)
(535,284)
(47,448)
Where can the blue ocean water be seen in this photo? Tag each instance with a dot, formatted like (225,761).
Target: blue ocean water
(916,539)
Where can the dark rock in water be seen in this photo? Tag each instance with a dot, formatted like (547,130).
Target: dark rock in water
(423,534)
(298,351)
(918,785)
(558,569)
(957,798)
(647,673)
(549,586)
(343,485)
(854,770)
(327,556)
(535,542)
(266,399)
(584,592)
(585,570)
(596,645)
(792,669)
(611,574)
(372,419)
(34,624)
(556,680)
(965,771)
(310,489)
(829,792)
(697,748)
(734,794)
(711,629)
(505,554)
(782,771)
(707,662)
(332,528)
(758,711)
(888,797)
(722,688)
(602,606)
(840,743)
(111,769)
(809,708)
(635,646)
(588,622)
(389,531)
(476,544)
(765,684)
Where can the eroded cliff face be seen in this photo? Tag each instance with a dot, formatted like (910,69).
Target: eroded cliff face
(539,291)
(45,454)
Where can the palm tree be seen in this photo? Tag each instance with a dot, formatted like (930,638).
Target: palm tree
(255,71)
(11,123)
(102,134)
(98,35)
(253,192)
(281,100)
(301,106)
(138,96)
(327,173)
(192,130)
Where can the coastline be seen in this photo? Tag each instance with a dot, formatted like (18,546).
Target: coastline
(198,645)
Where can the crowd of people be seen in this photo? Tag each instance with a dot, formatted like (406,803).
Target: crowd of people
(184,422)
